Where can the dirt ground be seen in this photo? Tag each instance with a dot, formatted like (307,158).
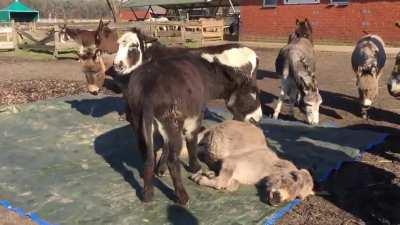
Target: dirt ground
(335,202)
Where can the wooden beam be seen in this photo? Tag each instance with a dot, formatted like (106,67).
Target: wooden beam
(133,11)
(148,9)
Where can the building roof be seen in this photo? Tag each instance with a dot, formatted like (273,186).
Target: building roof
(18,6)
(19,12)
(179,3)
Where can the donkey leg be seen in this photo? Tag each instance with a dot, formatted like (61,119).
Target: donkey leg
(162,163)
(194,164)
(147,130)
(223,181)
(279,104)
(174,166)
(192,127)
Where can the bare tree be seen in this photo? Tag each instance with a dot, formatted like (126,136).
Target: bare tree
(114,6)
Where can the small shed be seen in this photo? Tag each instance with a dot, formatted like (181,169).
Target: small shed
(19,12)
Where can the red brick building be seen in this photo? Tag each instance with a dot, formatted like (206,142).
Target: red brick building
(333,20)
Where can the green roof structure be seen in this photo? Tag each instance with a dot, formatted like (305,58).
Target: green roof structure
(18,12)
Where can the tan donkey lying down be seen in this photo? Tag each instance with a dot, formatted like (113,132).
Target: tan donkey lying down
(244,158)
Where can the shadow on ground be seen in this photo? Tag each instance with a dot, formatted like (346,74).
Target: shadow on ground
(350,104)
(369,193)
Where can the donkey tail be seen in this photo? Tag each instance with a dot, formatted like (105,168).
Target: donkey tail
(147,126)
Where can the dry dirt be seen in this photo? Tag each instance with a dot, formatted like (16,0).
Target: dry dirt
(336,202)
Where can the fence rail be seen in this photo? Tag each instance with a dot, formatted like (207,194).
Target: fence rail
(8,39)
(45,36)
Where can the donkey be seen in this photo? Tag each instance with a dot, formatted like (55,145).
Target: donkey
(303,29)
(84,38)
(243,157)
(169,95)
(394,80)
(368,60)
(296,64)
(96,66)
(103,37)
(243,60)
(106,38)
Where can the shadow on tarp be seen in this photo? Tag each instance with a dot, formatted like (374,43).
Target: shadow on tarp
(178,215)
(119,149)
(98,107)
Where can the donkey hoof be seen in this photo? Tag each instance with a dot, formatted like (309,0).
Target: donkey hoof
(148,196)
(194,168)
(183,199)
(161,171)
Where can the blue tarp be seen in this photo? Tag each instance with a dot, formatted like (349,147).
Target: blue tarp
(74,162)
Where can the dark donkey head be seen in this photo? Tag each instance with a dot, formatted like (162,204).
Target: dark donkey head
(303,29)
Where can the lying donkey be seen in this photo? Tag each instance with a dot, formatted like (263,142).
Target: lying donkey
(244,158)
(368,60)
(296,64)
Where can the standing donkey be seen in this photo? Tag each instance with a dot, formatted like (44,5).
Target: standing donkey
(394,80)
(368,60)
(169,95)
(296,64)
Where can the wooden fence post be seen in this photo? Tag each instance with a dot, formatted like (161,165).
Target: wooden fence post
(56,41)
(14,35)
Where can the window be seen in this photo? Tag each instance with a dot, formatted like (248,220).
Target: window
(300,1)
(339,2)
(269,3)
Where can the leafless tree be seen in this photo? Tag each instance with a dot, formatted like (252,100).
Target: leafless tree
(114,6)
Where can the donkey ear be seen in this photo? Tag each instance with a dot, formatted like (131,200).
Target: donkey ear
(101,25)
(308,24)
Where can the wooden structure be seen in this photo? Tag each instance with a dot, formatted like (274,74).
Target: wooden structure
(8,38)
(45,36)
(204,30)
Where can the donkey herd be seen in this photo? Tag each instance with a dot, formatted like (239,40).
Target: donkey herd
(167,89)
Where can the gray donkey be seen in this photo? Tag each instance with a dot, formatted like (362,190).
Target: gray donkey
(296,66)
(368,60)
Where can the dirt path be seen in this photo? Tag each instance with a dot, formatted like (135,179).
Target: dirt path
(25,69)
